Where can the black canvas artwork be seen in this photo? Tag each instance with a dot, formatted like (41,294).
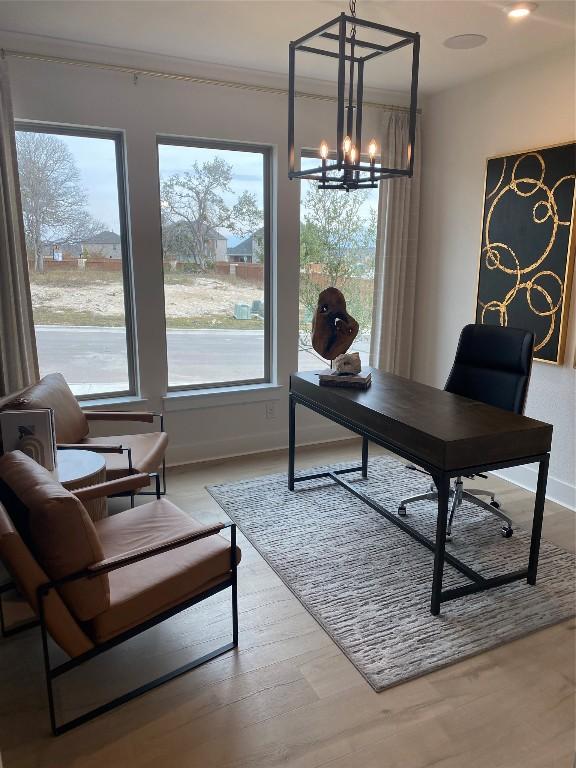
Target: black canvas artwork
(527,250)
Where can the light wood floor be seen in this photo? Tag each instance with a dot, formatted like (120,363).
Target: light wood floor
(288,696)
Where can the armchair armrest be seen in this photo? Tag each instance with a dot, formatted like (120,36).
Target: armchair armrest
(95,447)
(146,416)
(112,487)
(142,553)
(136,555)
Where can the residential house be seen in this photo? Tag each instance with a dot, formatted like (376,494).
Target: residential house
(248,251)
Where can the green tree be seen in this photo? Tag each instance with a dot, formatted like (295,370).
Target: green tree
(193,207)
(337,244)
(53,199)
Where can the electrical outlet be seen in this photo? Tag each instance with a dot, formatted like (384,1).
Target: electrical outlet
(271,410)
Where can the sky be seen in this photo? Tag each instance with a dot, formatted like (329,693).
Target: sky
(247,171)
(96,162)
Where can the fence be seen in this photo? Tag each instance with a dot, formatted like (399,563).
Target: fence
(107,265)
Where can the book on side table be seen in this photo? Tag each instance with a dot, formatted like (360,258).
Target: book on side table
(31,432)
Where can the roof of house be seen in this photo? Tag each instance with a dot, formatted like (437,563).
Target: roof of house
(246,247)
(102,238)
(211,233)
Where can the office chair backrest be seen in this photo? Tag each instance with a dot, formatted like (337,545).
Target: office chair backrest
(493,365)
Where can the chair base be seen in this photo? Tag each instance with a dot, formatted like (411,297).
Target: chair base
(457,496)
(159,487)
(58,730)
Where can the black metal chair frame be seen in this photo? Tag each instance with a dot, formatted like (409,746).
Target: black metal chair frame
(51,673)
(159,477)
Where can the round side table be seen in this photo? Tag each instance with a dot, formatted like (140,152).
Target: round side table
(78,469)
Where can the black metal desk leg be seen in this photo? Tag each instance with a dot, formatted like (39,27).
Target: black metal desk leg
(537,520)
(443,486)
(291,441)
(364,457)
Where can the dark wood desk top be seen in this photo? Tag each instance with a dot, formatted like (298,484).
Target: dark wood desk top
(447,431)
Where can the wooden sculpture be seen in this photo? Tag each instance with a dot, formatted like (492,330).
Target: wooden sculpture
(333,329)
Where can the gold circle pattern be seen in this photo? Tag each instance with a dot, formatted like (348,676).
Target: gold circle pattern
(501,256)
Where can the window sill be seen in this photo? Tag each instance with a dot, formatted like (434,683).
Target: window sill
(216,397)
(120,400)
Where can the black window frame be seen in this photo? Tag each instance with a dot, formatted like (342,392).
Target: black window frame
(117,136)
(267,158)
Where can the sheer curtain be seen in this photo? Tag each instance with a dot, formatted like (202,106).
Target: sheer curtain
(18,358)
(396,251)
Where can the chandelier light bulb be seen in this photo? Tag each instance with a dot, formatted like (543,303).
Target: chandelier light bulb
(372,149)
(353,154)
(323,150)
(347,144)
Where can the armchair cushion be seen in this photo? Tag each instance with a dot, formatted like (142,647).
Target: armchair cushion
(53,392)
(143,590)
(148,450)
(62,536)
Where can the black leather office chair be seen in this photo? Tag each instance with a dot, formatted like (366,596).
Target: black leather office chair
(492,365)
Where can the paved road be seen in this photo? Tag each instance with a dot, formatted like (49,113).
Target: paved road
(94,359)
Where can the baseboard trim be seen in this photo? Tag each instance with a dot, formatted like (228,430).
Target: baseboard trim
(246,445)
(527,477)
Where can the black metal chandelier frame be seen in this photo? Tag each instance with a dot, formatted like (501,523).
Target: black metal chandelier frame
(353,54)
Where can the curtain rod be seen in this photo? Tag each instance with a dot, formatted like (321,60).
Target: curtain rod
(137,72)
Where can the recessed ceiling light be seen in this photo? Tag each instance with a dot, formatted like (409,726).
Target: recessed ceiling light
(520,10)
(463,42)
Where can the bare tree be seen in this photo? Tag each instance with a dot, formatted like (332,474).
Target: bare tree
(53,199)
(193,207)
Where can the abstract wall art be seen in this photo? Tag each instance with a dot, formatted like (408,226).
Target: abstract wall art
(528,242)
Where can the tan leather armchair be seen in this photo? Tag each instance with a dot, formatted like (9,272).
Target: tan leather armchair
(124,454)
(95,585)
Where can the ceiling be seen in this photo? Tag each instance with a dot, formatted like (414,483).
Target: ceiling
(254,35)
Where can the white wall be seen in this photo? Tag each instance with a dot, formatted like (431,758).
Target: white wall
(526,107)
(217,425)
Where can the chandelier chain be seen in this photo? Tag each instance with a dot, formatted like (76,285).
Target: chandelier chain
(352,5)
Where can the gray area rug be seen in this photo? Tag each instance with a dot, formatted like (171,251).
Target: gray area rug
(368,584)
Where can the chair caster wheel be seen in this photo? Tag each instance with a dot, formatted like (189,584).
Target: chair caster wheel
(495,504)
(448,536)
(402,511)
(506,531)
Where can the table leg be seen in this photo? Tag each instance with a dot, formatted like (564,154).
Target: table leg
(291,440)
(443,486)
(364,457)
(537,520)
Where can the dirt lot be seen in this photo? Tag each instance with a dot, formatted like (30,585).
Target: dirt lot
(95,298)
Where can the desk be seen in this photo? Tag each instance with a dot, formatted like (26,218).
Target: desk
(445,434)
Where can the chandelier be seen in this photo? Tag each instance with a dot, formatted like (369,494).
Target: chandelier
(348,165)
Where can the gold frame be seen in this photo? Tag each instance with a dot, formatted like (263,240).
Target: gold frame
(570,258)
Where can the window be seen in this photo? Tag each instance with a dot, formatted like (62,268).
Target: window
(215,242)
(72,187)
(337,248)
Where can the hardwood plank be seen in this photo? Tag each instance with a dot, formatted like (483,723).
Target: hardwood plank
(288,696)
